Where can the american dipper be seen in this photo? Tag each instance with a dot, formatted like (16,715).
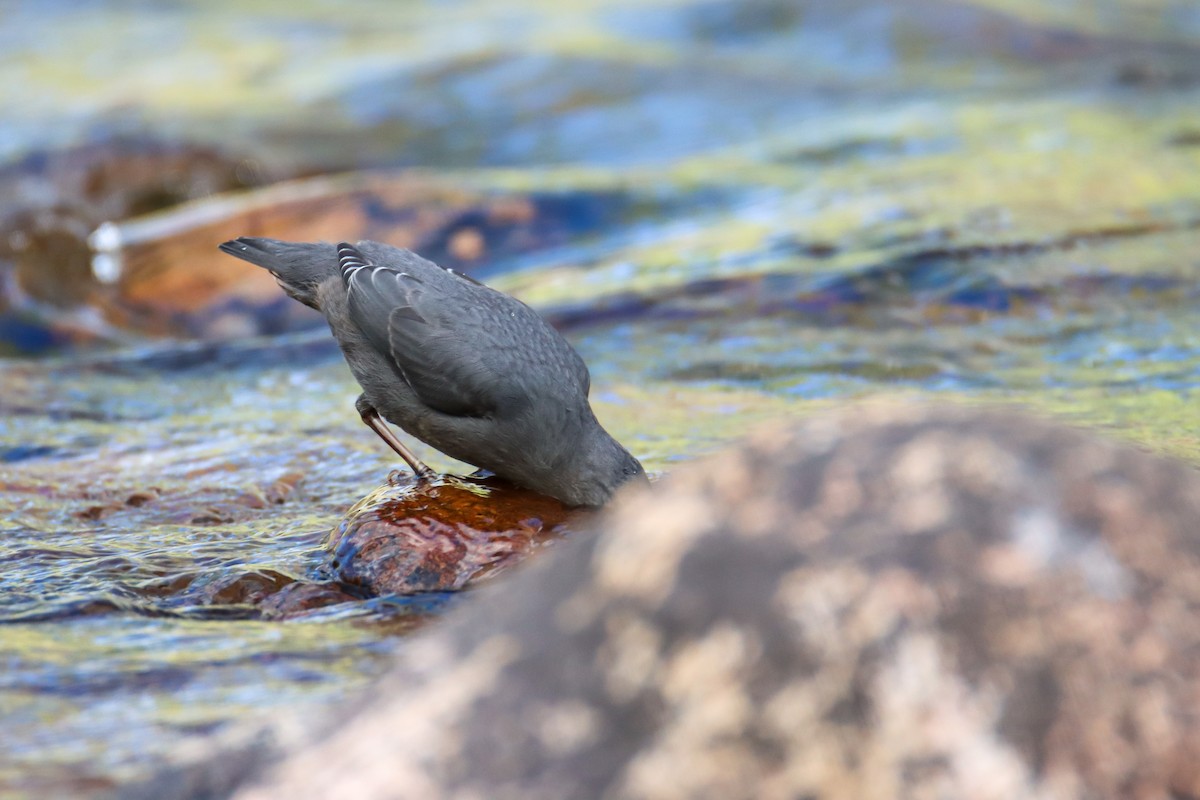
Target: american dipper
(469,370)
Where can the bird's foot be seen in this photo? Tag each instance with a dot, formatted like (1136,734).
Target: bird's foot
(399,477)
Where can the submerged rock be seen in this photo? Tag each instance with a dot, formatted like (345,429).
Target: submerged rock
(891,602)
(300,598)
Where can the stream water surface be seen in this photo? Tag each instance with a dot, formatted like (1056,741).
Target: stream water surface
(747,210)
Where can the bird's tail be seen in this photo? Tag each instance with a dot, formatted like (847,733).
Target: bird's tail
(297,266)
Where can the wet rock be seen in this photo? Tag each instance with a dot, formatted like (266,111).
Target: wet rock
(50,202)
(439,535)
(891,602)
(237,593)
(105,238)
(167,277)
(241,588)
(300,598)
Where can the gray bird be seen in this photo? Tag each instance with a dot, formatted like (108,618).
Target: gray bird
(464,368)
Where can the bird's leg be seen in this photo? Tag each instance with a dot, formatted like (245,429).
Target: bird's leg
(375,422)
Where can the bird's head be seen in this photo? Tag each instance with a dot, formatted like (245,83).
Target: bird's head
(600,470)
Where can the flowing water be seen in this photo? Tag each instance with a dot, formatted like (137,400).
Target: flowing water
(753,209)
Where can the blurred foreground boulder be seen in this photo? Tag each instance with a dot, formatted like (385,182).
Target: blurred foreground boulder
(924,602)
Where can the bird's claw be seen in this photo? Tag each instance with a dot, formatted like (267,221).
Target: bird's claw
(399,477)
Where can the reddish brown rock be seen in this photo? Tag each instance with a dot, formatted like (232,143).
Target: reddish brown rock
(440,535)
(249,588)
(301,598)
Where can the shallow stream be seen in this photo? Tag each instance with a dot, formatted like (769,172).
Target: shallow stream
(740,210)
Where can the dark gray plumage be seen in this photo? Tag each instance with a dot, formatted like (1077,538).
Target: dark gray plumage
(465,368)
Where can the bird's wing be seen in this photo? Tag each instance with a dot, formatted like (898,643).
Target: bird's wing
(440,342)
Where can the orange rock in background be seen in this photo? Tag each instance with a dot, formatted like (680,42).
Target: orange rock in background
(443,534)
(51,201)
(129,229)
(166,277)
